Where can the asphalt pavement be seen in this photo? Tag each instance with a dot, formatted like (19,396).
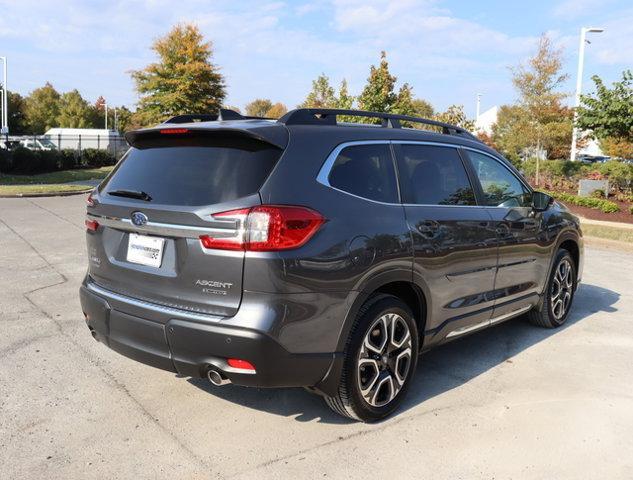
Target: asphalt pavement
(514,401)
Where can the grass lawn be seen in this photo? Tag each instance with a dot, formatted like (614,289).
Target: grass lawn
(611,233)
(41,188)
(55,177)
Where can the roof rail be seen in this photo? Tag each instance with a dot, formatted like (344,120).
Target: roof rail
(327,116)
(223,114)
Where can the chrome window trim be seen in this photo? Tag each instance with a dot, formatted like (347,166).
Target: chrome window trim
(324,172)
(323,176)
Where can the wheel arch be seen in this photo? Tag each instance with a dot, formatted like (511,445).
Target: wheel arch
(398,283)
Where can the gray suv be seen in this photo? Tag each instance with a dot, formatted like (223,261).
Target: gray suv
(308,252)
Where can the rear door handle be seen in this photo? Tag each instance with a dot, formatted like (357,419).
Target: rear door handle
(428,228)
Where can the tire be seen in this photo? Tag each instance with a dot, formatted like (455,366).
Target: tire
(559,294)
(373,384)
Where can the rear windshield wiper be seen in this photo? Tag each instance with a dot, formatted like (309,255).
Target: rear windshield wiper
(131,194)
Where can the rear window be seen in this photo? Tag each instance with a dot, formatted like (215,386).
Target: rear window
(194,175)
(366,171)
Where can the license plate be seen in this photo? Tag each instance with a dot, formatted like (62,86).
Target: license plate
(145,250)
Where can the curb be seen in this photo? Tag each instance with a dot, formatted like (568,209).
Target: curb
(49,194)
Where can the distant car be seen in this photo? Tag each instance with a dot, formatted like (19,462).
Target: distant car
(38,144)
(594,158)
(305,252)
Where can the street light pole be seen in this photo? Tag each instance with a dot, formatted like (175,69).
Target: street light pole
(581,62)
(4,124)
(105,109)
(478,106)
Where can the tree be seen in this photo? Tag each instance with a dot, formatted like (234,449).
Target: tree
(124,120)
(184,80)
(608,114)
(540,121)
(42,109)
(263,107)
(378,94)
(455,115)
(404,101)
(276,111)
(344,100)
(422,108)
(16,114)
(258,107)
(617,147)
(98,113)
(321,95)
(74,111)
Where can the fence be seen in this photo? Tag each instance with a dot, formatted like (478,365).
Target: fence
(112,143)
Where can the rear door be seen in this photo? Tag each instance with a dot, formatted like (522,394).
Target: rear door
(453,238)
(157,203)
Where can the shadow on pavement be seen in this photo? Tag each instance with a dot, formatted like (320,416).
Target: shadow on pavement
(439,370)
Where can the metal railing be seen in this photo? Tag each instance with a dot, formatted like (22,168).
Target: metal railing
(112,143)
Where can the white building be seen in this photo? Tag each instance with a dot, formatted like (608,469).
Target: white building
(488,118)
(80,138)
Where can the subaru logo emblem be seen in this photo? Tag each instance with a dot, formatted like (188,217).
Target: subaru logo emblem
(139,219)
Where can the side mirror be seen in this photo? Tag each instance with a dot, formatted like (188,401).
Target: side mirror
(541,201)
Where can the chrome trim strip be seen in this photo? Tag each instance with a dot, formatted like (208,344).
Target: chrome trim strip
(152,306)
(324,172)
(492,321)
(165,229)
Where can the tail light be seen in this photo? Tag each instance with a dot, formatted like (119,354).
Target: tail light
(90,200)
(174,131)
(92,225)
(267,228)
(240,364)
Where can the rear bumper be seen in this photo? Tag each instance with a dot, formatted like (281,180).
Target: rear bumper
(179,344)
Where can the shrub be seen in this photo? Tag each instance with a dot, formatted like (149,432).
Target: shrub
(596,203)
(93,158)
(25,161)
(67,159)
(631,209)
(6,161)
(598,193)
(49,160)
(620,174)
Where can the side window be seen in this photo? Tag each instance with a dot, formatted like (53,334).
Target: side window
(366,171)
(500,186)
(433,176)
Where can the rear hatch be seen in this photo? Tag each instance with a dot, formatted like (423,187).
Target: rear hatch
(151,211)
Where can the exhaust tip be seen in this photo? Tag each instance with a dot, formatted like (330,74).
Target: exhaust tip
(216,378)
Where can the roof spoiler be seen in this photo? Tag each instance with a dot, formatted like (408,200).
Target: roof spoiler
(209,124)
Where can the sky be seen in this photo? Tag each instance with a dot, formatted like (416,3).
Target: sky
(447,51)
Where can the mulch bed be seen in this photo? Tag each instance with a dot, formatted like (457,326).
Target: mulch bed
(622,216)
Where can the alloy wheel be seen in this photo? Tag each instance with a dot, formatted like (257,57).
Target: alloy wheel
(562,289)
(384,359)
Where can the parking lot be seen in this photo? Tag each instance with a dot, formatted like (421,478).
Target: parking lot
(514,401)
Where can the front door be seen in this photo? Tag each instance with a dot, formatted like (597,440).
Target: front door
(523,257)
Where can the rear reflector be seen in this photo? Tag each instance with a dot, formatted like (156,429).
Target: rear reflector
(174,131)
(92,225)
(241,364)
(267,228)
